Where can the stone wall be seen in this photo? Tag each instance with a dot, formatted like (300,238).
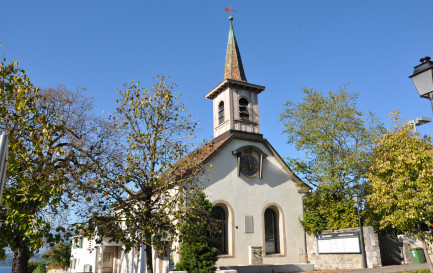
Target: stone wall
(55,268)
(345,261)
(408,242)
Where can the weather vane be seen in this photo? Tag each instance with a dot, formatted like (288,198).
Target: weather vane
(230,9)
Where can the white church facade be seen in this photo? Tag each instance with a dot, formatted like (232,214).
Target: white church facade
(256,195)
(259,197)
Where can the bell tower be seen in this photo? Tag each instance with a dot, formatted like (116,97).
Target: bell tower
(235,101)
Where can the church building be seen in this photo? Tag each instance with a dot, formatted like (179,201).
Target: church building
(257,196)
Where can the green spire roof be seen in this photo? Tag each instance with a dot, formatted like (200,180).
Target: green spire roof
(233,66)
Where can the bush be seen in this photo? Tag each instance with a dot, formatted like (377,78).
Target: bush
(41,268)
(59,254)
(32,266)
(198,252)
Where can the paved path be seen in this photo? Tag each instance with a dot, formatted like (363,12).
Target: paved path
(384,269)
(394,268)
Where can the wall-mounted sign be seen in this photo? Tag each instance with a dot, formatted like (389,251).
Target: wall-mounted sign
(337,243)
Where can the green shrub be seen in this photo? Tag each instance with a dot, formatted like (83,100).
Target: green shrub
(59,254)
(32,266)
(198,252)
(41,268)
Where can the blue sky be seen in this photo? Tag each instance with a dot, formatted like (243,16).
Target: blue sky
(285,45)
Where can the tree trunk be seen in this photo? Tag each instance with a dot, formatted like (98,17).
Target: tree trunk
(149,264)
(21,257)
(427,256)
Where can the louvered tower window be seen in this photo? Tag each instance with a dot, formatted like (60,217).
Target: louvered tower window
(243,109)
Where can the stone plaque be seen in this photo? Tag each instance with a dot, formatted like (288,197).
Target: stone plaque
(249,224)
(255,254)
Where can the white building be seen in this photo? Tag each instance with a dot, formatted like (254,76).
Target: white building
(257,196)
(106,257)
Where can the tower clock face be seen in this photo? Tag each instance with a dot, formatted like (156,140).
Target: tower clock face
(249,165)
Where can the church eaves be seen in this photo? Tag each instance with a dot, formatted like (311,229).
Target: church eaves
(233,66)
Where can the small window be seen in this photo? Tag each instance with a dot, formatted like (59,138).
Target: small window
(106,257)
(221,112)
(243,109)
(77,242)
(221,240)
(271,232)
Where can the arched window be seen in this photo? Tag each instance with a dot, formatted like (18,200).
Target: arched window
(271,232)
(221,112)
(243,109)
(222,240)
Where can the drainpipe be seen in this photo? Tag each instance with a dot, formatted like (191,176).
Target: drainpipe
(305,233)
(305,247)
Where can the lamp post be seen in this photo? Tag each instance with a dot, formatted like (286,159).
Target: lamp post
(357,198)
(418,121)
(422,78)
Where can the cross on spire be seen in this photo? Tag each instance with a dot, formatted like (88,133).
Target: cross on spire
(230,9)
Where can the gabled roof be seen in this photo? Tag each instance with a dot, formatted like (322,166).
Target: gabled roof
(204,153)
(233,66)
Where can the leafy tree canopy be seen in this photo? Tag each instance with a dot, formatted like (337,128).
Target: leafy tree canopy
(143,179)
(49,133)
(337,139)
(402,182)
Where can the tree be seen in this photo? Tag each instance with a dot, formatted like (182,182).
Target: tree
(198,234)
(402,182)
(144,180)
(59,254)
(48,132)
(337,139)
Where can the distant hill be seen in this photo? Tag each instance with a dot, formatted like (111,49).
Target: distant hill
(8,261)
(9,256)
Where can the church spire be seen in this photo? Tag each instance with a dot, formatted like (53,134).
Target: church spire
(233,66)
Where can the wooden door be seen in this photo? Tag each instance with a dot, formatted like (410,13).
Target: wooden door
(107,261)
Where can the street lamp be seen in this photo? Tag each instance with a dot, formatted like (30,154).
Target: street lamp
(418,121)
(422,78)
(357,198)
